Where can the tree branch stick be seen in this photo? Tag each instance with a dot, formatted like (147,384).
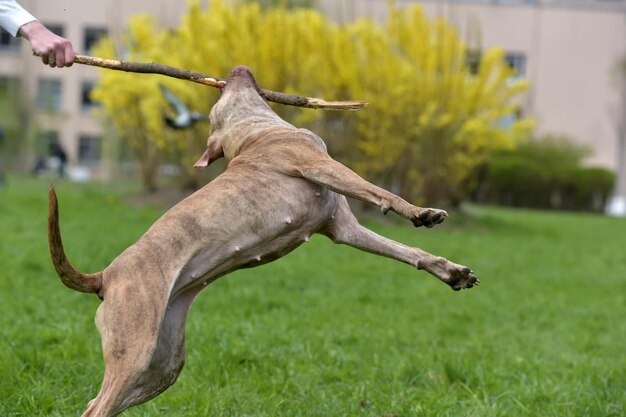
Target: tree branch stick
(276,97)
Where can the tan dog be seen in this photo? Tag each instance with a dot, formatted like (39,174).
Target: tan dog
(280,187)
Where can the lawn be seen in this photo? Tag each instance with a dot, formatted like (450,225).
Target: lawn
(328,330)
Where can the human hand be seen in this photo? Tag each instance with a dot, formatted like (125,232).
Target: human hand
(53,49)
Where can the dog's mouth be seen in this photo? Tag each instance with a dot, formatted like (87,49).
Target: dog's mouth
(241,77)
(240,70)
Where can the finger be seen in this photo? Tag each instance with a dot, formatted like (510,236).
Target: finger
(41,54)
(59,56)
(52,61)
(70,55)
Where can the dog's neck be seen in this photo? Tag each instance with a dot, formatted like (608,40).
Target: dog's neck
(235,137)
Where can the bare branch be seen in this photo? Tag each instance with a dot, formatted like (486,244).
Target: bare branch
(276,97)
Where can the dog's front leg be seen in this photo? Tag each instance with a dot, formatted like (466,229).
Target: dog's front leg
(344,228)
(321,169)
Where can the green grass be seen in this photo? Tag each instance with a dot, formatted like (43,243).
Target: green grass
(330,331)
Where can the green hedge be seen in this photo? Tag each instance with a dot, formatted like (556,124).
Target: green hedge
(545,173)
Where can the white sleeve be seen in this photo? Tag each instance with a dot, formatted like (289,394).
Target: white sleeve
(13,16)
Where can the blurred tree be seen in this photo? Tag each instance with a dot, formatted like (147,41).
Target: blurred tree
(132,101)
(281,46)
(429,124)
(432,120)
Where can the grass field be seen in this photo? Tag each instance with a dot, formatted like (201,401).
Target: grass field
(330,331)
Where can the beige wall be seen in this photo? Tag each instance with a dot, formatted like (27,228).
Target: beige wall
(571,51)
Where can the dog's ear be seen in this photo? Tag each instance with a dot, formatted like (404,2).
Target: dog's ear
(213,151)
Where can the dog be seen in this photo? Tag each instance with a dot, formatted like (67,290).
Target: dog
(279,188)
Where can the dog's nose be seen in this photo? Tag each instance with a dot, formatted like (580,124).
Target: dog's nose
(239,70)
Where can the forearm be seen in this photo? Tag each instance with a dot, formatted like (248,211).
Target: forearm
(13,16)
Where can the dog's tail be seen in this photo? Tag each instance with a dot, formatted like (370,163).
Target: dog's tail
(71,277)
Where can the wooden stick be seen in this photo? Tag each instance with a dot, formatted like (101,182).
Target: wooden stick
(276,97)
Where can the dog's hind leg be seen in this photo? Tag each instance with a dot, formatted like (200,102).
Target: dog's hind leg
(344,228)
(143,347)
(129,338)
(168,357)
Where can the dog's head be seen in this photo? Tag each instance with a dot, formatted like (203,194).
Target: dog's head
(240,109)
(241,98)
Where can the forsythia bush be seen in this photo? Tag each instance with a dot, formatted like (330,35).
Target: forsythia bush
(429,124)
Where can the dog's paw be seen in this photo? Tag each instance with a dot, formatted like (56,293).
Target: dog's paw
(457,276)
(428,217)
(460,277)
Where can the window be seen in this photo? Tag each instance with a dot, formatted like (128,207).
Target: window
(9,87)
(89,149)
(46,142)
(92,36)
(56,28)
(86,103)
(11,124)
(506,122)
(516,61)
(49,95)
(472,60)
(8,42)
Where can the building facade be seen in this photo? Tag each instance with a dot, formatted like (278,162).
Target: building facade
(568,49)
(53,105)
